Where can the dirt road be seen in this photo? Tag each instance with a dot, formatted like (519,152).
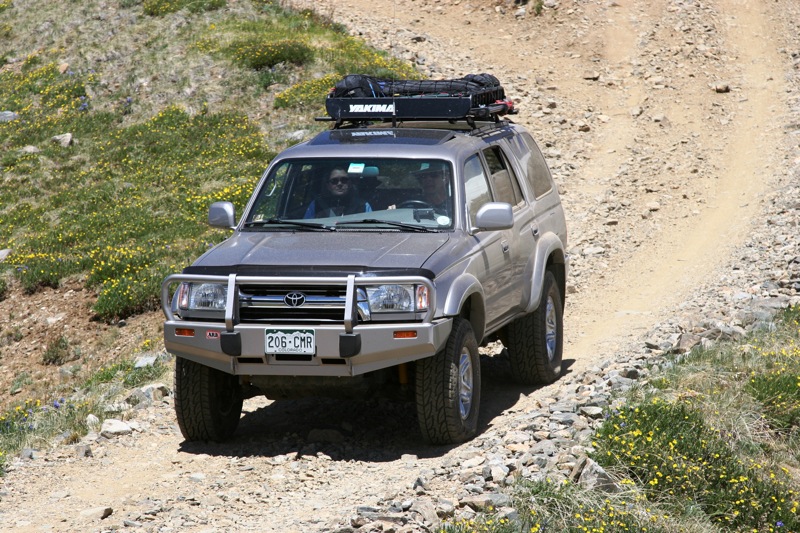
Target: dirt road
(662,121)
(704,157)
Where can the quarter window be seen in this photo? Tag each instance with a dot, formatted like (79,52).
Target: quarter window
(538,174)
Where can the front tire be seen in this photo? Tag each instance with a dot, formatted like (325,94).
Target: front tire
(535,341)
(208,402)
(448,389)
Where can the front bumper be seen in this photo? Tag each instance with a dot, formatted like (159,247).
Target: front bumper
(345,348)
(379,348)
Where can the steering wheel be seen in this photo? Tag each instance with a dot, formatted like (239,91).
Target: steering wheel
(415,204)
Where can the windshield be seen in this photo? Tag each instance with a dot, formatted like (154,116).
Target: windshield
(355,194)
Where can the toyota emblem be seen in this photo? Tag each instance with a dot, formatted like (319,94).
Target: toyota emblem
(294,299)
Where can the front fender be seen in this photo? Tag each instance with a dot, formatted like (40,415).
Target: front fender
(461,290)
(547,247)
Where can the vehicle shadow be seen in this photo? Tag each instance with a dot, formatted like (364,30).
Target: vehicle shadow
(379,429)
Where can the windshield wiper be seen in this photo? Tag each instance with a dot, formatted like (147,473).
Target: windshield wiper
(276,221)
(404,225)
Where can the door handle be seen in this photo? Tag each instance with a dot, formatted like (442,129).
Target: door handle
(504,245)
(535,230)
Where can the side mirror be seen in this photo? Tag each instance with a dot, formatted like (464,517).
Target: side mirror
(494,216)
(222,215)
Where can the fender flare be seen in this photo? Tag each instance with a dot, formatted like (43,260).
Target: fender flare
(462,289)
(548,246)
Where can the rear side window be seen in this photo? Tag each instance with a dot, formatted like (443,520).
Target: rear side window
(538,173)
(504,182)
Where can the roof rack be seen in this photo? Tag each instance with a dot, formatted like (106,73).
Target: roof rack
(358,99)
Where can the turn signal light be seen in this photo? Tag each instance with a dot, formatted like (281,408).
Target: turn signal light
(184,332)
(410,334)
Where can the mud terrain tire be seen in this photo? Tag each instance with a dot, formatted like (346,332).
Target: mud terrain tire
(208,402)
(448,389)
(535,341)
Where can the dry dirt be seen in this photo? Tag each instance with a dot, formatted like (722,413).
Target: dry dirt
(707,158)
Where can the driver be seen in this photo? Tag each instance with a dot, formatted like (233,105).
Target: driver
(338,198)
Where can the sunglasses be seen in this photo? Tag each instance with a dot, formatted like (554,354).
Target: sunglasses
(336,181)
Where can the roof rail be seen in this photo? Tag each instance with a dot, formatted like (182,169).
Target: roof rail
(358,99)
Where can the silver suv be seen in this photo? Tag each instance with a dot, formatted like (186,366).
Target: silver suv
(382,252)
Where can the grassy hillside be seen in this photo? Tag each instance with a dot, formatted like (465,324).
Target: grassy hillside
(123,121)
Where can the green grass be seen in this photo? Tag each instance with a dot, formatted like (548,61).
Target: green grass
(711,445)
(127,374)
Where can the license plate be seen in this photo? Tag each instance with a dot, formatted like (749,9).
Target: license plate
(290,341)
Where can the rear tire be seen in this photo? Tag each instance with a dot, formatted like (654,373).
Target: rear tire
(535,341)
(448,388)
(208,402)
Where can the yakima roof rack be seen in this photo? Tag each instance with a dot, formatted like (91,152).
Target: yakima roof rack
(358,99)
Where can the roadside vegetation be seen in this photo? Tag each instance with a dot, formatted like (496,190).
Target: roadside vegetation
(711,444)
(40,424)
(103,185)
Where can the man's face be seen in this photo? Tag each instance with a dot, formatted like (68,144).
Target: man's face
(338,183)
(433,183)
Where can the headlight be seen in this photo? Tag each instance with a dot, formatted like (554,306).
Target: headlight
(202,296)
(397,298)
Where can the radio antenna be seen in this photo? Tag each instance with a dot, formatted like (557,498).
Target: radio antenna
(393,58)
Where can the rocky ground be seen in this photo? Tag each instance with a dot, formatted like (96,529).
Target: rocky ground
(673,130)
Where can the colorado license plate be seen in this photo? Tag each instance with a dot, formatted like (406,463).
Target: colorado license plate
(290,341)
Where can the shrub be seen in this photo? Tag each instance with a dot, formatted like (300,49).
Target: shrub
(22,379)
(156,8)
(57,351)
(668,448)
(129,295)
(307,93)
(348,56)
(257,53)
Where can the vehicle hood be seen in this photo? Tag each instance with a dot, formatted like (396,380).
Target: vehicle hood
(359,251)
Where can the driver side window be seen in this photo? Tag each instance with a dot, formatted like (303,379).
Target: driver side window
(476,186)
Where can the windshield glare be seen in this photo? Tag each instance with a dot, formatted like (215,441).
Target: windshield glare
(329,191)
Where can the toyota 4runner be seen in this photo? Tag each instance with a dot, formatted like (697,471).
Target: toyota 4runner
(385,250)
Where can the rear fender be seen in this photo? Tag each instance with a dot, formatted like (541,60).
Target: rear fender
(548,249)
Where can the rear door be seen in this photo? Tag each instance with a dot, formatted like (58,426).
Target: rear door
(541,189)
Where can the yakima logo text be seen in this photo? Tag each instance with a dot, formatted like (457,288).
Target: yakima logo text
(372,108)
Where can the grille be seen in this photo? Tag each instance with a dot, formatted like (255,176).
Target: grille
(268,303)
